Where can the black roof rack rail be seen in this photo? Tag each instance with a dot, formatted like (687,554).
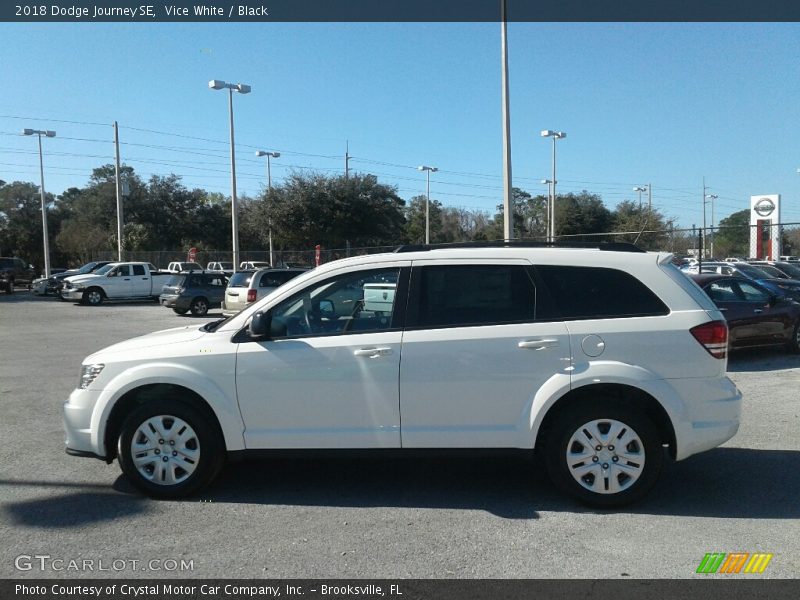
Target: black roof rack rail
(609,246)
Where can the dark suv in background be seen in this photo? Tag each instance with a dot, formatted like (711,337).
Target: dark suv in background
(195,291)
(15,271)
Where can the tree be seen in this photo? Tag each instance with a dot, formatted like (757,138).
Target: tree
(583,213)
(530,216)
(415,221)
(21,222)
(732,235)
(648,223)
(311,209)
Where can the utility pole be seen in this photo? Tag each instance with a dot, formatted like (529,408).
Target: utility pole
(508,231)
(119,193)
(347,160)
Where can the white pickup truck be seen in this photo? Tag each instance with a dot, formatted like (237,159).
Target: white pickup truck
(116,281)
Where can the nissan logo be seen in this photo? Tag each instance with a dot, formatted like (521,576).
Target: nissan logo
(764,207)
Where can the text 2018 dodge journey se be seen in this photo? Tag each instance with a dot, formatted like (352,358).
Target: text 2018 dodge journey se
(604,359)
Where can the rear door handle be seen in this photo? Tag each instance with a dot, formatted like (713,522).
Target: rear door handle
(372,352)
(758,311)
(538,344)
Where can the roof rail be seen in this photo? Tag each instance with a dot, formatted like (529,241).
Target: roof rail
(608,246)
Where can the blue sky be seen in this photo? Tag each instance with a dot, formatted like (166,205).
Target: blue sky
(665,104)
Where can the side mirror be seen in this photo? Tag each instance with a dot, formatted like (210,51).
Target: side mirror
(260,324)
(327,309)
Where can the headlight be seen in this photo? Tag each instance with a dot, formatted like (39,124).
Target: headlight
(77,286)
(88,374)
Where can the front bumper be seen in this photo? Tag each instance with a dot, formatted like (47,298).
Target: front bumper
(78,410)
(72,294)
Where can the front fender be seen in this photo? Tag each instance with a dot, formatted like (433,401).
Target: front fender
(222,404)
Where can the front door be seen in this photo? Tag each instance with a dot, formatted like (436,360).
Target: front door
(328,377)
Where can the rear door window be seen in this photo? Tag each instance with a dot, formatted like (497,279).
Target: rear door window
(471,295)
(599,293)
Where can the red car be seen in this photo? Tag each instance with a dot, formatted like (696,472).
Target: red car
(755,316)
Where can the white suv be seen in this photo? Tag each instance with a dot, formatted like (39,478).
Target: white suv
(599,358)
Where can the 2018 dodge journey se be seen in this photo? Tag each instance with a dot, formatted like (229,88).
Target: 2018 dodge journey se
(606,360)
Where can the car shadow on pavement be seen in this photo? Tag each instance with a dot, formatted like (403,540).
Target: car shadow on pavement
(73,509)
(722,483)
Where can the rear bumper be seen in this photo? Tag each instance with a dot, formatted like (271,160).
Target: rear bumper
(714,413)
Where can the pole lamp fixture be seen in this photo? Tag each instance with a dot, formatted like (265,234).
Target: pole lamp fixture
(556,135)
(428,170)
(269,155)
(640,189)
(216,84)
(45,236)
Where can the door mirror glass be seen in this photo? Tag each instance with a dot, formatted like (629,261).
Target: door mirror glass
(260,324)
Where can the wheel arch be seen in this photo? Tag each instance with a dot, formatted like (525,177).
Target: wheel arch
(626,393)
(153,392)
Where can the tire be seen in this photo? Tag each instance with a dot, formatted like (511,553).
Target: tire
(199,307)
(192,446)
(569,452)
(794,344)
(9,287)
(181,311)
(93,297)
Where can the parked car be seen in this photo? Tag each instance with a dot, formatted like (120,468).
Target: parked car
(791,270)
(220,267)
(15,271)
(180,267)
(196,292)
(755,315)
(597,357)
(253,265)
(115,281)
(763,275)
(790,258)
(55,282)
(246,287)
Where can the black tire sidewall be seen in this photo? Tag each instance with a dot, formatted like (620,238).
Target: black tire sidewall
(194,307)
(212,448)
(571,419)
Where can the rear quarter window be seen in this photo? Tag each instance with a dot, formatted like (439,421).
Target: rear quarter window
(599,293)
(240,279)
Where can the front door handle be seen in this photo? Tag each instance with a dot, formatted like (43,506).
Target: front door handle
(758,311)
(538,344)
(372,352)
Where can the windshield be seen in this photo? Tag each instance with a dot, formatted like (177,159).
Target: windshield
(105,269)
(772,271)
(241,279)
(6,262)
(176,281)
(752,271)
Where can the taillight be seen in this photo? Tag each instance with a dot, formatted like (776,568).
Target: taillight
(251,295)
(713,336)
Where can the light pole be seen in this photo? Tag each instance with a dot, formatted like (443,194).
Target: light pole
(40,133)
(216,84)
(711,197)
(269,155)
(549,182)
(556,135)
(640,189)
(428,171)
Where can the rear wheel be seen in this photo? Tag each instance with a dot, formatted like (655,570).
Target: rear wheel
(9,287)
(199,307)
(605,453)
(169,449)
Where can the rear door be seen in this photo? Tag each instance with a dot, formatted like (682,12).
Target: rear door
(141,282)
(475,354)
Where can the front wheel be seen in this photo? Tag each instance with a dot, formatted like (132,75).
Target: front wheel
(93,297)
(794,344)
(181,311)
(169,450)
(604,453)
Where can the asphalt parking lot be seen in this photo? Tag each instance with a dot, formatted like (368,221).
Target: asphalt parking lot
(368,518)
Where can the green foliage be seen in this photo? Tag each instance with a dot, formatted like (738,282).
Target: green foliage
(732,235)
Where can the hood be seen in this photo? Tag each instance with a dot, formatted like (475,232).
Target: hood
(82,278)
(167,337)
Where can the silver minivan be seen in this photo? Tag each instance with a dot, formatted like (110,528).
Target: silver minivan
(245,287)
